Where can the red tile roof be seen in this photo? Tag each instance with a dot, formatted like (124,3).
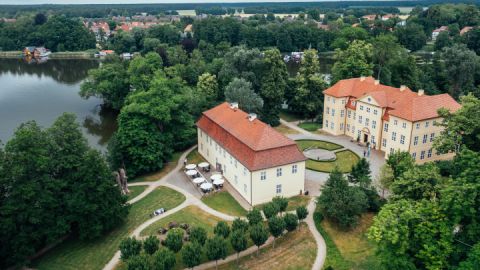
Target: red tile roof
(253,143)
(399,102)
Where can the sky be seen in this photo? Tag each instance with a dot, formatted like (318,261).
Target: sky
(29,2)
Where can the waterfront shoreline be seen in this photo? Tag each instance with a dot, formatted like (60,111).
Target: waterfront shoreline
(55,55)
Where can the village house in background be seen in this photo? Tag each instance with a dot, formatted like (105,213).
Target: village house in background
(258,161)
(36,52)
(437,32)
(386,118)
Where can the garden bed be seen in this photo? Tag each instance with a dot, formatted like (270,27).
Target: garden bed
(344,161)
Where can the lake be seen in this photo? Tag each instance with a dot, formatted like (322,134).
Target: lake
(44,91)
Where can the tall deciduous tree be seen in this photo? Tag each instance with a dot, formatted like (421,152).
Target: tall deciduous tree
(353,62)
(240,90)
(360,174)
(461,65)
(400,162)
(273,85)
(216,249)
(141,70)
(276,225)
(164,259)
(259,235)
(174,240)
(420,182)
(239,242)
(191,254)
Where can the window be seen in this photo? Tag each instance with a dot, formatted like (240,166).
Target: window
(375,112)
(326,123)
(359,133)
(201,146)
(361,107)
(342,113)
(224,154)
(394,136)
(422,155)
(263,175)
(236,164)
(341,126)
(231,160)
(348,127)
(210,142)
(415,140)
(333,100)
(333,112)
(201,133)
(402,139)
(425,138)
(368,109)
(331,125)
(432,137)
(244,171)
(236,180)
(384,142)
(391,151)
(328,98)
(427,124)
(373,139)
(354,115)
(328,110)
(414,155)
(208,152)
(207,139)
(279,189)
(385,127)
(354,103)
(360,119)
(245,188)
(343,101)
(279,172)
(404,125)
(417,125)
(395,122)
(294,168)
(367,121)
(374,124)
(349,114)
(429,154)
(216,147)
(224,168)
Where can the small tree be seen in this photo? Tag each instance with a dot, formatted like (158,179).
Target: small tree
(151,244)
(216,248)
(400,162)
(238,241)
(302,213)
(386,178)
(222,229)
(291,221)
(164,259)
(270,210)
(174,240)
(130,247)
(281,202)
(254,217)
(276,225)
(138,262)
(259,235)
(360,173)
(239,225)
(199,235)
(191,254)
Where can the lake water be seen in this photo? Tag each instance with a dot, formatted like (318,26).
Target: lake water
(44,91)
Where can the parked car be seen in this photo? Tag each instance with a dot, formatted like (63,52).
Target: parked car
(159,211)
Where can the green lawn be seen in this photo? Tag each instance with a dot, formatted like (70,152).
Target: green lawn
(295,250)
(168,167)
(192,215)
(285,130)
(289,116)
(304,144)
(135,191)
(296,201)
(310,126)
(225,203)
(345,160)
(194,157)
(77,254)
(349,249)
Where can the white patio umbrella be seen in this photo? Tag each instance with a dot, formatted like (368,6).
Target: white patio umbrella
(216,176)
(191,172)
(218,182)
(190,166)
(203,165)
(198,180)
(206,186)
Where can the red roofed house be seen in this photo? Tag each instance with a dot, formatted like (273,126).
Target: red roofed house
(385,117)
(437,32)
(258,161)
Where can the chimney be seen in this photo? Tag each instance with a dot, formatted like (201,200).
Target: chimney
(377,82)
(421,92)
(252,116)
(234,105)
(362,78)
(402,88)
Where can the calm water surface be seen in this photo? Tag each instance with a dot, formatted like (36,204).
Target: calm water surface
(43,91)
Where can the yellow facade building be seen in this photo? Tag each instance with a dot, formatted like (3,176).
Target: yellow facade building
(386,118)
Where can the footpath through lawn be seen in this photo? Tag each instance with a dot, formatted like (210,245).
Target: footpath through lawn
(94,254)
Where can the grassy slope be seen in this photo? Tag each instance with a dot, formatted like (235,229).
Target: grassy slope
(225,203)
(310,126)
(77,254)
(345,160)
(135,191)
(295,250)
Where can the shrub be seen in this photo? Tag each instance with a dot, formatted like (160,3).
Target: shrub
(130,247)
(164,259)
(222,229)
(151,244)
(216,249)
(375,202)
(302,212)
(281,202)
(254,217)
(174,240)
(138,262)
(291,221)
(270,210)
(199,235)
(191,254)
(239,225)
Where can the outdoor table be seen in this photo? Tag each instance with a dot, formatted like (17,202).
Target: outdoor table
(206,186)
(198,180)
(216,176)
(218,182)
(203,165)
(191,172)
(190,166)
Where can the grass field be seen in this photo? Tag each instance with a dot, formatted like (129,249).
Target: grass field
(289,116)
(345,160)
(78,254)
(304,144)
(192,215)
(310,126)
(296,201)
(195,157)
(295,250)
(349,249)
(187,12)
(164,171)
(285,130)
(135,191)
(225,203)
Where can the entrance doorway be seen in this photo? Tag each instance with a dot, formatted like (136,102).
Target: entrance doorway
(365,138)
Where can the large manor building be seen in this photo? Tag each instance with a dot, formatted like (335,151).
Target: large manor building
(258,161)
(386,118)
